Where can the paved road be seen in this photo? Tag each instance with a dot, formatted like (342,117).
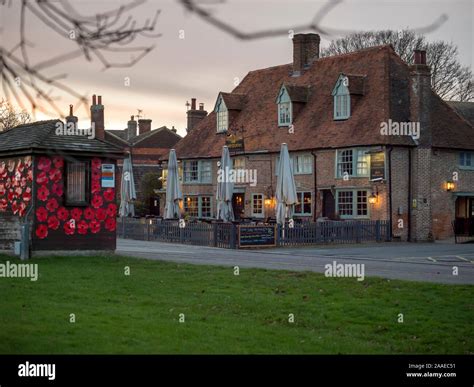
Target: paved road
(418,262)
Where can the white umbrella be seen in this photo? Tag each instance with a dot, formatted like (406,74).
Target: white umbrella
(173,189)
(127,189)
(285,189)
(225,188)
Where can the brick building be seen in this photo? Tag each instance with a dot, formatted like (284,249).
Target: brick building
(368,137)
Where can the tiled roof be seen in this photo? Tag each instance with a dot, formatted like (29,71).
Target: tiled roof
(465,109)
(297,93)
(41,135)
(379,82)
(233,101)
(162,138)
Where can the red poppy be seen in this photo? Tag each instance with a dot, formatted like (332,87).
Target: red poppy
(112,210)
(96,163)
(95,187)
(70,227)
(44,164)
(20,166)
(2,189)
(23,182)
(15,207)
(95,175)
(27,194)
(11,195)
(100,214)
(11,166)
(22,209)
(52,205)
(41,214)
(53,223)
(43,193)
(89,213)
(58,162)
(55,175)
(94,225)
(4,204)
(82,227)
(29,176)
(8,183)
(76,213)
(18,191)
(3,170)
(57,189)
(63,214)
(97,201)
(42,178)
(41,231)
(110,224)
(109,194)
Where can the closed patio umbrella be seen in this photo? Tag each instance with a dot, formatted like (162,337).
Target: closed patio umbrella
(285,189)
(127,189)
(225,188)
(173,189)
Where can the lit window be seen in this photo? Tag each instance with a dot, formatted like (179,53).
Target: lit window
(353,163)
(352,203)
(302,164)
(76,183)
(303,206)
(197,171)
(363,163)
(257,205)
(344,163)
(198,206)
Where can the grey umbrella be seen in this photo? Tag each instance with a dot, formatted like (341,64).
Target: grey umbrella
(225,188)
(173,189)
(127,189)
(285,189)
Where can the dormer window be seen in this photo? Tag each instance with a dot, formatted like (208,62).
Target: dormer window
(342,99)
(284,108)
(222,116)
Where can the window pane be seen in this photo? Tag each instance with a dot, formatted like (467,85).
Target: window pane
(76,182)
(191,171)
(206,206)
(344,199)
(345,162)
(206,171)
(307,202)
(191,206)
(257,204)
(363,162)
(361,203)
(238,163)
(284,112)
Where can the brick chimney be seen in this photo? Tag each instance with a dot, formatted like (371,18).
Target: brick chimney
(420,95)
(173,129)
(131,128)
(305,51)
(144,125)
(71,117)
(97,117)
(194,115)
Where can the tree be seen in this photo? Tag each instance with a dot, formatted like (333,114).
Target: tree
(9,117)
(450,80)
(149,183)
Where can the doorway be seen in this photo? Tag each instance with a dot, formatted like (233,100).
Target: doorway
(329,204)
(154,206)
(238,205)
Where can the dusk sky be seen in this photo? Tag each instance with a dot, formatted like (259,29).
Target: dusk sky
(208,60)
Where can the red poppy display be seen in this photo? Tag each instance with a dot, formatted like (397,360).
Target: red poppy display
(95,175)
(62,214)
(58,162)
(109,194)
(94,226)
(89,213)
(69,228)
(42,178)
(82,227)
(52,205)
(27,194)
(53,222)
(76,214)
(95,187)
(44,164)
(112,210)
(3,205)
(55,175)
(2,189)
(96,163)
(101,214)
(15,207)
(57,189)
(41,231)
(110,224)
(22,209)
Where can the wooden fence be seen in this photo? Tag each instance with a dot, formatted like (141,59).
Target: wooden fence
(226,234)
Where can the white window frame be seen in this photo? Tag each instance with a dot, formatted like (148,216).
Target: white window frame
(284,101)
(300,195)
(462,160)
(252,205)
(354,203)
(202,167)
(341,99)
(294,164)
(356,161)
(222,116)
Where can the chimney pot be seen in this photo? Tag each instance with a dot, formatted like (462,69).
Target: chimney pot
(305,51)
(70,110)
(94,102)
(419,57)
(99,100)
(144,125)
(201,106)
(193,103)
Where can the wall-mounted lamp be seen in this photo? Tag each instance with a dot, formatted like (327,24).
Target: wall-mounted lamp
(449,186)
(373,198)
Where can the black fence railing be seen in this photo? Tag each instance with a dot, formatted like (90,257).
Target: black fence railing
(463,230)
(226,235)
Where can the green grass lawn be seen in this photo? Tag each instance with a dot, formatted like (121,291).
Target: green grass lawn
(224,313)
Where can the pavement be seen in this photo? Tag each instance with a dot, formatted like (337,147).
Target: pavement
(427,262)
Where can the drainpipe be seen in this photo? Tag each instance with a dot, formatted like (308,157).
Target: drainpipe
(390,148)
(409,196)
(315,185)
